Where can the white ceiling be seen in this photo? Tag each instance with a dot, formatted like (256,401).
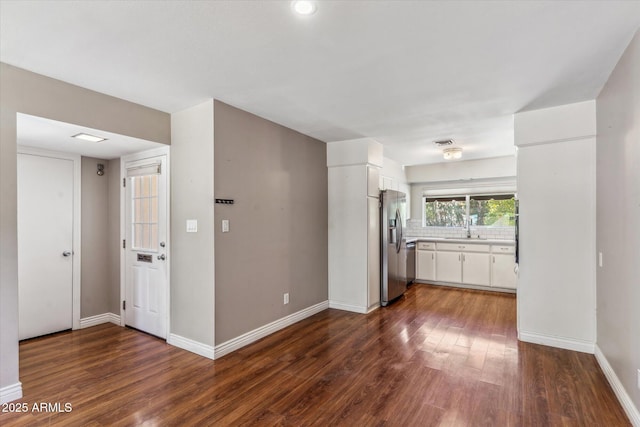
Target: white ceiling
(58,136)
(403,72)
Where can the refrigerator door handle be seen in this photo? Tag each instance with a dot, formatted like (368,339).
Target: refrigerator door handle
(399,225)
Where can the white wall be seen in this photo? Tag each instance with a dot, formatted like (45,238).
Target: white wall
(618,223)
(460,177)
(353,177)
(556,189)
(462,170)
(192,254)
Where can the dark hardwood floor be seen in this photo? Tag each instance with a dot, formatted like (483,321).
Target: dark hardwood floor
(439,356)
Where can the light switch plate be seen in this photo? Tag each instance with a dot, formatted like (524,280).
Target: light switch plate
(225,225)
(192,226)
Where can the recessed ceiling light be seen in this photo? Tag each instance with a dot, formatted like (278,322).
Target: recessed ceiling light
(304,7)
(90,138)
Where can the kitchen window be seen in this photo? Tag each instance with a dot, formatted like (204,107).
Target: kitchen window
(493,210)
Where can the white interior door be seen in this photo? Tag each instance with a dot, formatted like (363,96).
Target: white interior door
(146,246)
(45,244)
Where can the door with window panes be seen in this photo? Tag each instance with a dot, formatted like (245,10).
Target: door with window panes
(145,304)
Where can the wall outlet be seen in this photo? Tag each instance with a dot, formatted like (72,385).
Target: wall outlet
(286,298)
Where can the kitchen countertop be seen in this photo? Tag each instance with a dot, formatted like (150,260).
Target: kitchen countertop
(461,240)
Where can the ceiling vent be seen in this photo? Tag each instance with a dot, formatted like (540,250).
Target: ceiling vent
(443,142)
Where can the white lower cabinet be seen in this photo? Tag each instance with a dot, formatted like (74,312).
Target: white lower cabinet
(467,263)
(503,264)
(476,269)
(426,265)
(449,266)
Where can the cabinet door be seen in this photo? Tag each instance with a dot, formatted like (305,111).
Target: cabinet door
(476,269)
(449,267)
(373,252)
(373,181)
(502,271)
(426,265)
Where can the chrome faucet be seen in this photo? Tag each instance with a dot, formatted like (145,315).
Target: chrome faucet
(469,228)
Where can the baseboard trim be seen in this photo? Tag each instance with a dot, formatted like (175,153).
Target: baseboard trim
(618,388)
(99,319)
(193,346)
(559,342)
(261,332)
(11,392)
(374,307)
(348,307)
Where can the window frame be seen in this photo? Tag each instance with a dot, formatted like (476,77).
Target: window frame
(467,198)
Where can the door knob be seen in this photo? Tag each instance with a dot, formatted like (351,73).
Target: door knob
(66,253)
(162,257)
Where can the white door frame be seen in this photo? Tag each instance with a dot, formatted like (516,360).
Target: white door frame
(123,224)
(77,221)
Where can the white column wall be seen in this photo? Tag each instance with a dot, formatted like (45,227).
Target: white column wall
(556,189)
(353,173)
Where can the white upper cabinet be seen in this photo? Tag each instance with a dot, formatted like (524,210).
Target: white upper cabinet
(373,180)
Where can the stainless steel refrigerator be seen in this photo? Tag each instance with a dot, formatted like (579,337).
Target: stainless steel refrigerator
(392,223)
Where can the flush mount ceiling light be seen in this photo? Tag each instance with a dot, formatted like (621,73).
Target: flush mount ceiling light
(452,153)
(90,138)
(304,7)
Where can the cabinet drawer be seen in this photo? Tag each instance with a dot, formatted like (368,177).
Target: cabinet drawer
(448,247)
(503,249)
(463,247)
(476,248)
(426,246)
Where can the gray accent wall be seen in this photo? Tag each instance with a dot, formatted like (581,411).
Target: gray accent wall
(618,219)
(95,266)
(278,224)
(26,92)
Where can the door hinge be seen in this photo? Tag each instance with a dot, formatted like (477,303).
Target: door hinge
(124,244)
(124,182)
(124,305)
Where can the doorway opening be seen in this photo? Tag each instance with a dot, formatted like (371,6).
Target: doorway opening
(94,253)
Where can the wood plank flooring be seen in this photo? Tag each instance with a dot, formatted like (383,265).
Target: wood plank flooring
(437,357)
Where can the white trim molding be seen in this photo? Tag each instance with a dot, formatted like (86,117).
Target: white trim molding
(261,332)
(193,346)
(618,388)
(374,307)
(11,392)
(558,342)
(348,307)
(99,319)
(140,157)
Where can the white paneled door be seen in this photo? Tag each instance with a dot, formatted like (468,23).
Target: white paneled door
(146,246)
(45,244)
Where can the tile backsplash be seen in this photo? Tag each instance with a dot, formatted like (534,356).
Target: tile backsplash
(415,229)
